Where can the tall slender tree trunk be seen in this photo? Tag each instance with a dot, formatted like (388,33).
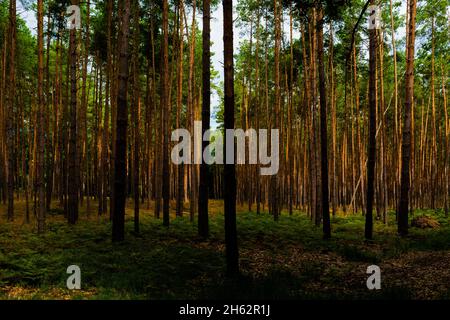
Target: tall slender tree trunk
(289,151)
(229,174)
(397,131)
(49,113)
(180,169)
(333,125)
(73,173)
(372,130)
(103,202)
(11,105)
(83,114)
(165,115)
(120,174)
(136,115)
(433,162)
(447,147)
(191,108)
(406,142)
(41,110)
(257,108)
(323,128)
(274,191)
(203,193)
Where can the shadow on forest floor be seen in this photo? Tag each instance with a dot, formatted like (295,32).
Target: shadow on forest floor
(287,259)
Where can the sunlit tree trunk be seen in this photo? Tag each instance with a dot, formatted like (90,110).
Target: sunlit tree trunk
(447,147)
(397,131)
(333,125)
(433,162)
(274,191)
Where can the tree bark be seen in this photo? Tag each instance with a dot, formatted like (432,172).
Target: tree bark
(323,128)
(180,169)
(372,131)
(120,174)
(11,105)
(136,116)
(74,166)
(165,115)
(229,174)
(203,193)
(406,142)
(41,149)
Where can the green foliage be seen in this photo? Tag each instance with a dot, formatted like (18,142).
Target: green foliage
(174,263)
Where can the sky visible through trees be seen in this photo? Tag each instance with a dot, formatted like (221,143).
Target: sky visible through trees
(253,143)
(216,44)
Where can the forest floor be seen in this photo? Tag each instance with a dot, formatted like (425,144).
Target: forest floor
(287,259)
